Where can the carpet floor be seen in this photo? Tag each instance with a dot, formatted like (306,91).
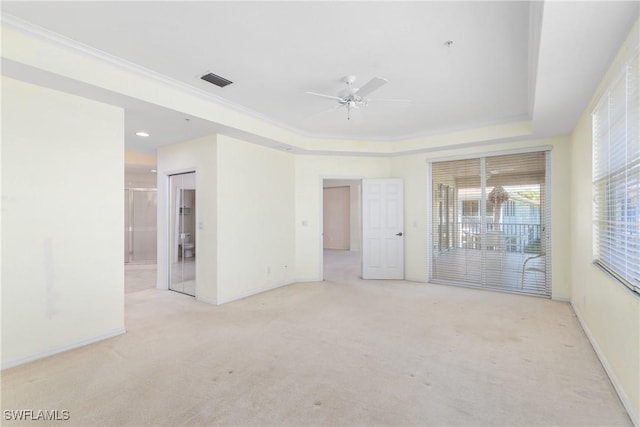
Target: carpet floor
(342,352)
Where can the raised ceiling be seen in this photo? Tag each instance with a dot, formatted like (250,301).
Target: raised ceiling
(501,61)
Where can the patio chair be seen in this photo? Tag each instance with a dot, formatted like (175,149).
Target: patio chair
(534,266)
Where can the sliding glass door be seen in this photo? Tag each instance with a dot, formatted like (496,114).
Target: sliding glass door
(490,220)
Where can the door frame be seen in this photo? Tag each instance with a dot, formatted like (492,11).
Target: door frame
(321,215)
(172,216)
(164,225)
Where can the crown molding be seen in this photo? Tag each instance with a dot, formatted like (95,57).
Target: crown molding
(54,38)
(59,40)
(536,13)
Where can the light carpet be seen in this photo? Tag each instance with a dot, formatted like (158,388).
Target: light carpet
(339,352)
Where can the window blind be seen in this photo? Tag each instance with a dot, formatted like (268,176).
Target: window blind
(616,177)
(489,223)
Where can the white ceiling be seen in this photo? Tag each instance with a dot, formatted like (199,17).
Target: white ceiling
(509,61)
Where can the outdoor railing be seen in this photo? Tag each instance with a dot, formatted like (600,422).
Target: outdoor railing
(510,237)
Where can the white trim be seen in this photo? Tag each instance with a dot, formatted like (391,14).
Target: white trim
(423,150)
(626,402)
(523,150)
(52,37)
(57,39)
(536,11)
(548,222)
(252,292)
(514,120)
(561,299)
(321,226)
(308,280)
(170,216)
(429,228)
(61,349)
(420,280)
(206,300)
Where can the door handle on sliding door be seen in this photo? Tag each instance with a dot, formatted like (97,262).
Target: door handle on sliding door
(399,234)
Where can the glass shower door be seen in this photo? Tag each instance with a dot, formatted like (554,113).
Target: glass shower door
(182,265)
(140,225)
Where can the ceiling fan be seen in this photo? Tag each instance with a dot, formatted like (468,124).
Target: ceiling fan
(352,97)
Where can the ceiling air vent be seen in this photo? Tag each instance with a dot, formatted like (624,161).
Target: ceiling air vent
(216,80)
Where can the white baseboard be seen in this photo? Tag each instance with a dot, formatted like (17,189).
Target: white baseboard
(61,349)
(314,279)
(416,279)
(562,299)
(252,292)
(608,369)
(207,300)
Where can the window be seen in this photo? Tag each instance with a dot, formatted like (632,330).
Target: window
(616,177)
(509,208)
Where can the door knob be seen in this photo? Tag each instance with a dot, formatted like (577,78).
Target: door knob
(399,234)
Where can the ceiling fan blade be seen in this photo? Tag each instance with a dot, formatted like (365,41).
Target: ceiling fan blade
(371,85)
(323,112)
(324,96)
(388,100)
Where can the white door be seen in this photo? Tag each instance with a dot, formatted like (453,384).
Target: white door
(382,229)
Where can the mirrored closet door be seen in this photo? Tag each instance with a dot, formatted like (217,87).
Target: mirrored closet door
(182,233)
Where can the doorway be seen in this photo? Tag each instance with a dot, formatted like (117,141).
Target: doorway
(182,233)
(341,229)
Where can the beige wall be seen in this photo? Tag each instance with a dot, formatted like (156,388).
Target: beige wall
(256,236)
(336,215)
(309,173)
(245,240)
(140,179)
(62,221)
(610,314)
(413,170)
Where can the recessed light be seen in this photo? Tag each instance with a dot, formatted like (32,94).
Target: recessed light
(153,170)
(142,133)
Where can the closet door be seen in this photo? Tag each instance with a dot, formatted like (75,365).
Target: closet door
(182,233)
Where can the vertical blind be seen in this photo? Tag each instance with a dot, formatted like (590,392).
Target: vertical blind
(489,222)
(616,177)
